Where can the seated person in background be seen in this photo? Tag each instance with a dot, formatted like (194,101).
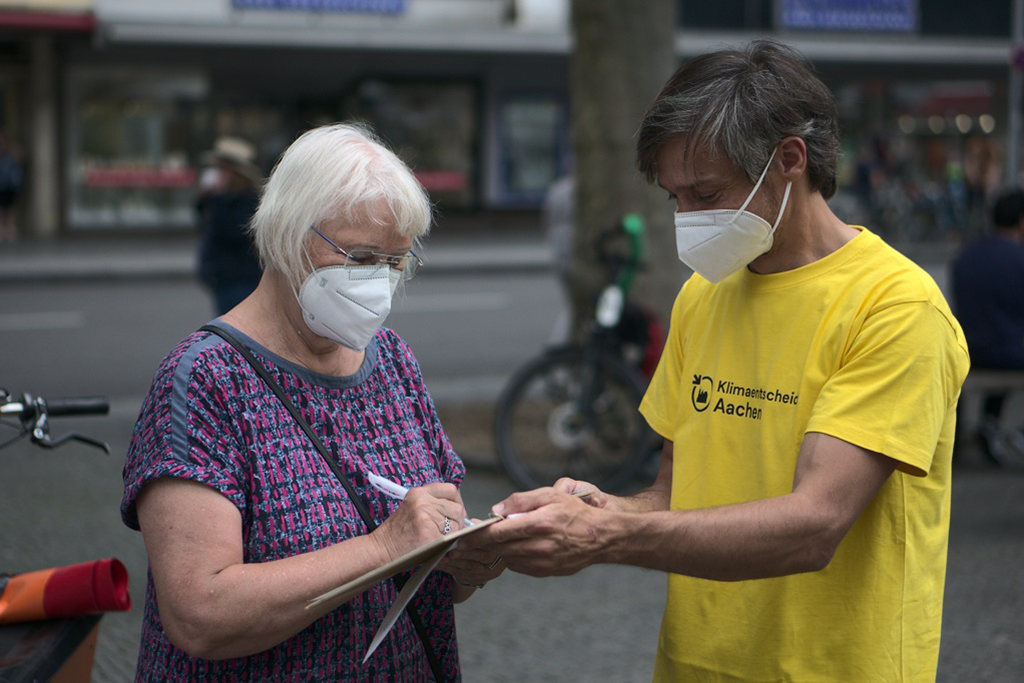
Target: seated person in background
(244,522)
(988,294)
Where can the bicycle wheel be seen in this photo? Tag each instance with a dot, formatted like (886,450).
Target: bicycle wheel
(573,412)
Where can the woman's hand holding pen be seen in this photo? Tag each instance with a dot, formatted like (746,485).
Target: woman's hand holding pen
(470,567)
(426,513)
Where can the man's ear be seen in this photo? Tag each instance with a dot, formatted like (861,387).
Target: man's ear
(793,156)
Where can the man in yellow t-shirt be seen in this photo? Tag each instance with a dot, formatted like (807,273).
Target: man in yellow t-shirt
(807,396)
(858,348)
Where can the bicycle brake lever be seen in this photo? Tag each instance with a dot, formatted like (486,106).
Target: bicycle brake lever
(46,442)
(41,433)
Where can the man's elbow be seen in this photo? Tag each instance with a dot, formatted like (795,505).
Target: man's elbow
(819,547)
(815,558)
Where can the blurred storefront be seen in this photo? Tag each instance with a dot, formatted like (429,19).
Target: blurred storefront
(473,94)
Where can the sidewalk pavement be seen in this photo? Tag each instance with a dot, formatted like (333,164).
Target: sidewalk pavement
(104,258)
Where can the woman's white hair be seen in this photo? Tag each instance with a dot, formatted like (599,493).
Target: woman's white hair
(341,171)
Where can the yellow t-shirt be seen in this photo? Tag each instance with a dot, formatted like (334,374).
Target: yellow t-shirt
(862,346)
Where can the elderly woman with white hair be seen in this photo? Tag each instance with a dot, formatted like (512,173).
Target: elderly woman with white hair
(248,468)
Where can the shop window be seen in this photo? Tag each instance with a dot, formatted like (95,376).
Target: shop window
(533,148)
(433,127)
(133,140)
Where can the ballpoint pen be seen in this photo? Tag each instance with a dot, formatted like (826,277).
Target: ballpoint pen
(396,491)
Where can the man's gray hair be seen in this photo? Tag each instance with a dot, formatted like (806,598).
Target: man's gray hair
(341,171)
(743,103)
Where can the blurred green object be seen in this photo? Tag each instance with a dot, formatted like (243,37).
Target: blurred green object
(633,225)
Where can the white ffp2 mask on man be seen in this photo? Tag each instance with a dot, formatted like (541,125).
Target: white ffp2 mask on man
(718,242)
(348,304)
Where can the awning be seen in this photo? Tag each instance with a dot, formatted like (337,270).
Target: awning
(71,22)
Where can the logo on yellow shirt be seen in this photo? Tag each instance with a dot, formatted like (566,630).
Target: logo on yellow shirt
(704,386)
(700,395)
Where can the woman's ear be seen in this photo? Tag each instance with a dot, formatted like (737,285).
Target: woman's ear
(793,156)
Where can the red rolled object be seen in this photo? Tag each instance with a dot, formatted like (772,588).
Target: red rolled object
(86,588)
(66,592)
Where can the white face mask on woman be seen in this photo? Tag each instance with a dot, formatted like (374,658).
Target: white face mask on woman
(348,304)
(717,243)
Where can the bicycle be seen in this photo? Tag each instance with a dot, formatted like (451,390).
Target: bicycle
(51,622)
(573,411)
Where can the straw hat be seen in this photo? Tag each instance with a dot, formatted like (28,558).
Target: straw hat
(238,154)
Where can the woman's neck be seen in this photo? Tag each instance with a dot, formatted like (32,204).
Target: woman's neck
(273,318)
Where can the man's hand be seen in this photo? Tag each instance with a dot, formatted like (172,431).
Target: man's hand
(547,532)
(587,492)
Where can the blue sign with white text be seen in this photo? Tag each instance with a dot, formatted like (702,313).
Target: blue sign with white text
(365,6)
(850,15)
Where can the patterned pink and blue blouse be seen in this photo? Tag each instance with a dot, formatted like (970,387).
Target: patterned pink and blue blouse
(209,418)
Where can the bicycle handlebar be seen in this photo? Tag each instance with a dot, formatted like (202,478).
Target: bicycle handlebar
(34,414)
(92,405)
(28,407)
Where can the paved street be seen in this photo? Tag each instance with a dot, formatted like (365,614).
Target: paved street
(62,507)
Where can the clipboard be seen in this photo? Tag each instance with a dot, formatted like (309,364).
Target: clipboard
(420,555)
(427,556)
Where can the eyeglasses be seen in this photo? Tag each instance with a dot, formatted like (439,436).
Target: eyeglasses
(406,264)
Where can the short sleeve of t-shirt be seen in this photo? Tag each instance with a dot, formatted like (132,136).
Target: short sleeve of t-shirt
(897,382)
(186,429)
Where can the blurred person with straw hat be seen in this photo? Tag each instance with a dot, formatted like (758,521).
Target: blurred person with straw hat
(228,197)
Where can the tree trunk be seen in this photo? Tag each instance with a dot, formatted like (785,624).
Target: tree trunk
(623,54)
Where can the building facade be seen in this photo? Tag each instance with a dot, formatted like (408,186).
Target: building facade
(114,101)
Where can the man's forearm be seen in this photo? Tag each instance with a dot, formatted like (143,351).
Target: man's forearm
(759,539)
(653,499)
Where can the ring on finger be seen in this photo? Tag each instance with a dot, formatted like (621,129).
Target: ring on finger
(494,563)
(447,526)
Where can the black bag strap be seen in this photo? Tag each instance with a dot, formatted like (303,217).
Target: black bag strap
(357,500)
